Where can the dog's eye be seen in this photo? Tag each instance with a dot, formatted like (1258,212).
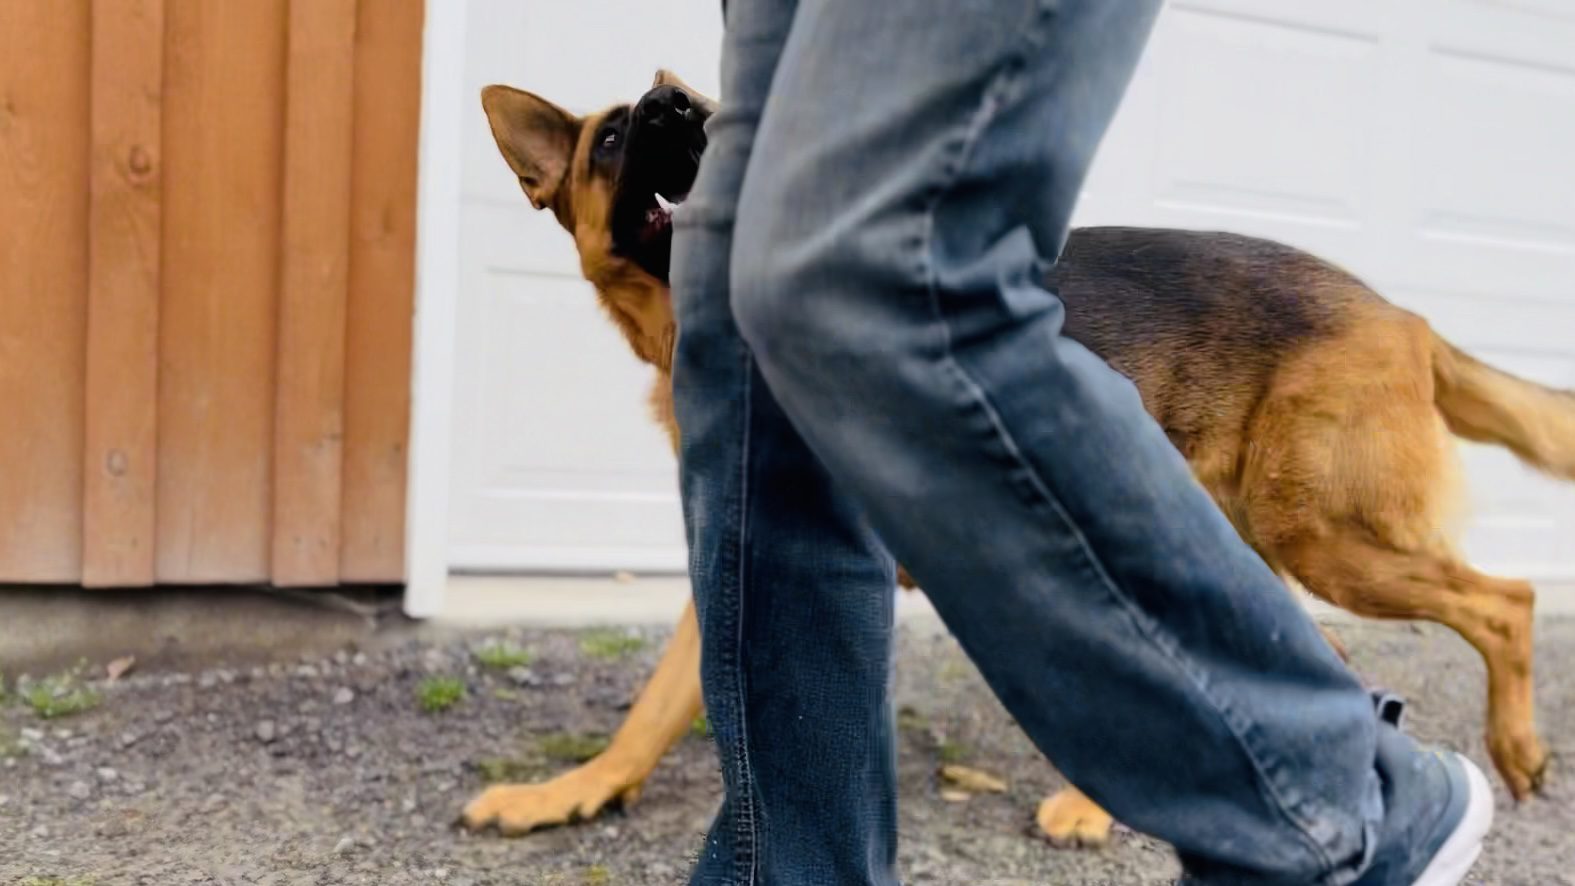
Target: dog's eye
(609,138)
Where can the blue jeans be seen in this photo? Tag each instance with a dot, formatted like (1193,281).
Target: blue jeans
(868,361)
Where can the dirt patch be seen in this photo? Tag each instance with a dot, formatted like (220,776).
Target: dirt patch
(329,771)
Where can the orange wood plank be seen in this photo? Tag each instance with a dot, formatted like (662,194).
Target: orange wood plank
(44,67)
(382,282)
(123,294)
(309,416)
(224,72)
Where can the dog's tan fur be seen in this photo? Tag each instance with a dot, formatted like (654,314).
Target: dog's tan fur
(1338,468)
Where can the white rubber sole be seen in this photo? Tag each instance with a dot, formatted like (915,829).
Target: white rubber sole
(1460,850)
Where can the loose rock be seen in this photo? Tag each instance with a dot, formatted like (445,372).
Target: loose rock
(968,778)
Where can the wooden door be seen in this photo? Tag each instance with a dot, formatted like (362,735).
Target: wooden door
(207,231)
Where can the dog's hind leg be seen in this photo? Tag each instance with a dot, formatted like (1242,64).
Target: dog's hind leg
(663,713)
(1351,569)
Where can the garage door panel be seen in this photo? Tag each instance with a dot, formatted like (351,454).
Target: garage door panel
(568,386)
(512,238)
(1523,31)
(1316,100)
(1340,18)
(1558,10)
(571,533)
(1495,185)
(554,445)
(559,378)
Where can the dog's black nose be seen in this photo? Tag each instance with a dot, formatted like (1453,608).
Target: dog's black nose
(665,104)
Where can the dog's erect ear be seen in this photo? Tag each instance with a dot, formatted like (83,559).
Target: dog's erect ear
(665,77)
(536,137)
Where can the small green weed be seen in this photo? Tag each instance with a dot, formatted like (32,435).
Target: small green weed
(61,695)
(955,669)
(701,727)
(953,751)
(570,748)
(597,875)
(56,881)
(610,644)
(506,769)
(502,655)
(438,694)
(910,719)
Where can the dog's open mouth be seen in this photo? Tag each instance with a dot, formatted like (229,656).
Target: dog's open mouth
(659,217)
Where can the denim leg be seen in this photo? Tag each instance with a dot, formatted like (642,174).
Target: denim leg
(793,591)
(924,159)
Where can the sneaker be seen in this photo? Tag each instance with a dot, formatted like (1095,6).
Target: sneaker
(1459,851)
(1438,806)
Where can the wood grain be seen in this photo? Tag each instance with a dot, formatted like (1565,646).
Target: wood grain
(382,283)
(223,145)
(207,241)
(119,453)
(309,416)
(44,68)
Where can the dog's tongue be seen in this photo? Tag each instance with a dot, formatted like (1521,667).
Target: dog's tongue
(659,217)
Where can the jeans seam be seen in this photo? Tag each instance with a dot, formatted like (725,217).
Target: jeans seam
(747,834)
(994,94)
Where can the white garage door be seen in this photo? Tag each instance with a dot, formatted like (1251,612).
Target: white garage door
(1427,145)
(556,462)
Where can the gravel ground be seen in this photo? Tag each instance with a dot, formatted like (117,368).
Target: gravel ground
(327,771)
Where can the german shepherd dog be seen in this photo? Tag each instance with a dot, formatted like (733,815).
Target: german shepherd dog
(1318,415)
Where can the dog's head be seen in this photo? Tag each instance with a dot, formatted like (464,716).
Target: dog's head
(610,178)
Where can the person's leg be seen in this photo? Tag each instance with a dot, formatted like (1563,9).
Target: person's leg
(793,591)
(913,175)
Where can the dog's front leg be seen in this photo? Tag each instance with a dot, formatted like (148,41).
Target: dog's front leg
(662,714)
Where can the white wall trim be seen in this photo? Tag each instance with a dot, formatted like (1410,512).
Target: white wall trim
(437,287)
(562,558)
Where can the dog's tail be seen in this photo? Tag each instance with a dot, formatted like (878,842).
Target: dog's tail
(1486,405)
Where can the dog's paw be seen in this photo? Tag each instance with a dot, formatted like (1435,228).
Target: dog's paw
(1070,820)
(1521,760)
(517,809)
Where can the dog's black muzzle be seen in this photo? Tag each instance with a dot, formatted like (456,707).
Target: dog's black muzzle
(661,155)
